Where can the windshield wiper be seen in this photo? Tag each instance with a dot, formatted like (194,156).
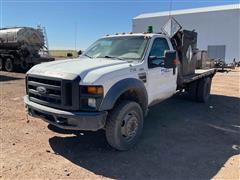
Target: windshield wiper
(88,56)
(113,57)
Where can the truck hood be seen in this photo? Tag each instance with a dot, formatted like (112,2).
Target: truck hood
(69,69)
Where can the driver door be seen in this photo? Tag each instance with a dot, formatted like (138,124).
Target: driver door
(161,82)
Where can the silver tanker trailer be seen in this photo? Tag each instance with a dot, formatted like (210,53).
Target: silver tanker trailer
(22,47)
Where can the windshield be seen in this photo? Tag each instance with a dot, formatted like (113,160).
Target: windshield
(129,47)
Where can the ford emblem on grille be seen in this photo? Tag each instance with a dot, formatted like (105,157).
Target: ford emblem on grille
(41,90)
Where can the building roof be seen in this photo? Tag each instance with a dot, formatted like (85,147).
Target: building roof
(189,11)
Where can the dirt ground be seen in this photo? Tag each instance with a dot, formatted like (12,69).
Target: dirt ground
(181,140)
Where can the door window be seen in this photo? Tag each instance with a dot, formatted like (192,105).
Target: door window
(160,45)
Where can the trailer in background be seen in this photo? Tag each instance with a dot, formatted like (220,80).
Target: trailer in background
(22,47)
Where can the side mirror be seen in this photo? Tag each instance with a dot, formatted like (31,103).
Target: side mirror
(170,59)
(79,52)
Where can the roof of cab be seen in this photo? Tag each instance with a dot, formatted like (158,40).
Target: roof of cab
(135,34)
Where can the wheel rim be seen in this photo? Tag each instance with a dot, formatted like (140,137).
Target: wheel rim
(129,126)
(8,65)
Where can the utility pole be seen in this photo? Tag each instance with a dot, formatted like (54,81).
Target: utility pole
(75,43)
(170,9)
(1,14)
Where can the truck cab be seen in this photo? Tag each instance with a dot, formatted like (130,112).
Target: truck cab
(110,86)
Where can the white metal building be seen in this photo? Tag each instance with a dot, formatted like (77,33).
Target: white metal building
(218,28)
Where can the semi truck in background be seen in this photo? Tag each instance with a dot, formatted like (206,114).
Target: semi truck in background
(114,82)
(23,47)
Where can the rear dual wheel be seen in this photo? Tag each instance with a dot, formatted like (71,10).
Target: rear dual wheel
(192,90)
(200,90)
(204,88)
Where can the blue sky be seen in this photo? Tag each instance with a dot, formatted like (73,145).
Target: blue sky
(92,19)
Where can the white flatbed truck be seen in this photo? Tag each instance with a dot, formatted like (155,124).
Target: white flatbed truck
(113,83)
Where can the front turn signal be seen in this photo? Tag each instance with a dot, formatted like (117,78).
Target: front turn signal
(95,90)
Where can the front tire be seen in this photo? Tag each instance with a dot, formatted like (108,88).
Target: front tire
(124,125)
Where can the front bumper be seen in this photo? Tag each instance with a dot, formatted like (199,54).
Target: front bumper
(92,121)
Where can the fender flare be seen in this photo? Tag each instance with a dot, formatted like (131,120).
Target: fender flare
(121,87)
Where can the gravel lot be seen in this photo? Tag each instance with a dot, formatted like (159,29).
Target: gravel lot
(181,140)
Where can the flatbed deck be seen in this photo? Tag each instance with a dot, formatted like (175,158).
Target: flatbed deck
(199,73)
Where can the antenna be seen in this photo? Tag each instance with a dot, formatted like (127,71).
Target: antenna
(170,9)
(1,14)
(75,38)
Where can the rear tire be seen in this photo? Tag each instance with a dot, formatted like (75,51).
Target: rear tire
(192,90)
(1,64)
(124,125)
(9,65)
(204,88)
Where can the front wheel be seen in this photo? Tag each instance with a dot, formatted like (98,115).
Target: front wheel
(124,125)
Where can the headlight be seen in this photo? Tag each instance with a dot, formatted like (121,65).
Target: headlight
(91,97)
(92,102)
